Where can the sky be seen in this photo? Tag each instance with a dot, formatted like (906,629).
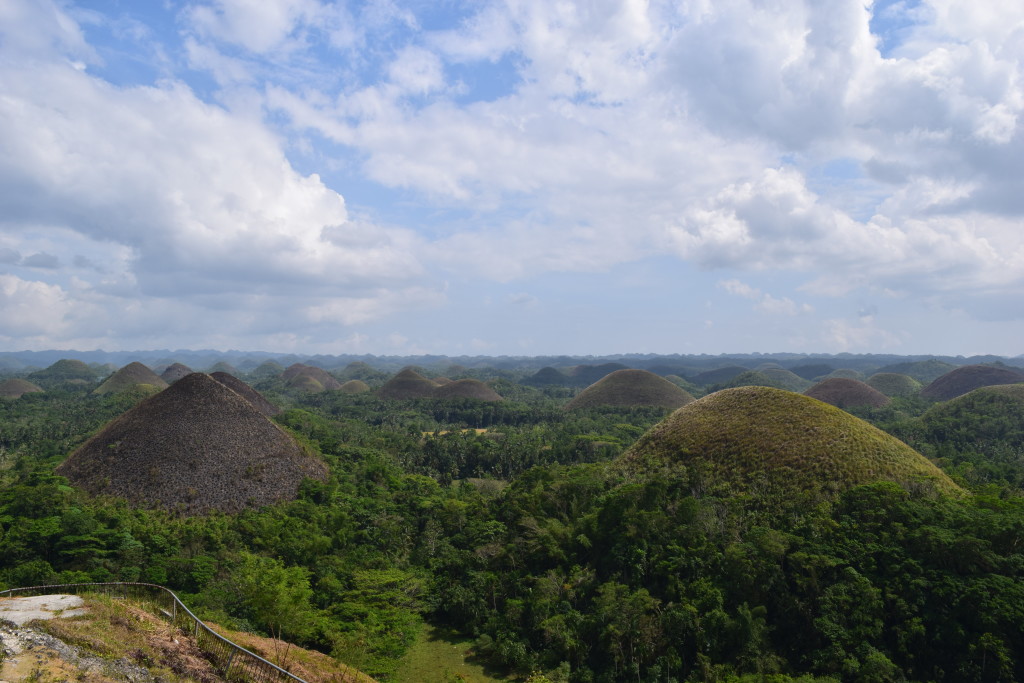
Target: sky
(513,177)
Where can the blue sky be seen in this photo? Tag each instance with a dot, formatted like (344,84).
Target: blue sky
(512,177)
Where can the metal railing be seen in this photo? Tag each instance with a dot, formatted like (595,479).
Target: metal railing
(234,661)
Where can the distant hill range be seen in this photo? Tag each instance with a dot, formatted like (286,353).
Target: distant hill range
(581,371)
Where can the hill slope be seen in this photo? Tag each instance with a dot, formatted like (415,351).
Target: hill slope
(741,436)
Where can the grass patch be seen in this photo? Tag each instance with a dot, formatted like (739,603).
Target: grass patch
(441,656)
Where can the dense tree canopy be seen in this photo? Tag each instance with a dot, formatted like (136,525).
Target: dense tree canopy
(504,520)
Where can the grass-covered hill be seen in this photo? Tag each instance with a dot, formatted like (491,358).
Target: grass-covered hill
(195,446)
(354,386)
(407,383)
(547,376)
(65,371)
(924,371)
(175,371)
(296,370)
(894,384)
(718,375)
(130,376)
(627,388)
(585,375)
(770,377)
(968,378)
(17,387)
(267,370)
(847,393)
(466,388)
(751,434)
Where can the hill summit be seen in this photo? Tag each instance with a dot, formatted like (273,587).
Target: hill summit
(194,447)
(747,435)
(130,376)
(627,388)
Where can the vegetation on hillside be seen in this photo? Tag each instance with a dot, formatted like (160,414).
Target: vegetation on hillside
(516,524)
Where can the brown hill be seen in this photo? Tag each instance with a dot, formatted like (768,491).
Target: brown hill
(174,372)
(467,388)
(132,375)
(751,437)
(631,388)
(355,386)
(441,381)
(847,393)
(968,378)
(326,380)
(194,447)
(408,384)
(247,392)
(16,388)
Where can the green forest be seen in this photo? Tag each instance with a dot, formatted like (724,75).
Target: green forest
(513,523)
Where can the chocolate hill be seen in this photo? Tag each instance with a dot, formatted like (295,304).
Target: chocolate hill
(407,384)
(771,377)
(194,447)
(968,378)
(923,371)
(305,384)
(894,384)
(174,372)
(467,388)
(224,366)
(847,393)
(247,392)
(130,376)
(354,386)
(267,369)
(64,371)
(752,436)
(546,377)
(16,388)
(628,388)
(326,380)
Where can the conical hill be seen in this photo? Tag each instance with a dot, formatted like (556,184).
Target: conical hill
(174,372)
(247,392)
(467,388)
(750,436)
(968,378)
(626,388)
(326,379)
(408,384)
(894,384)
(195,446)
(16,388)
(354,386)
(847,393)
(130,376)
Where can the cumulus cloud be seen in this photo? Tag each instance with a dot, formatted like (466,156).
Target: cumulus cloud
(622,130)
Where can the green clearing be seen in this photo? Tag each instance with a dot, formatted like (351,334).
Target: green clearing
(440,656)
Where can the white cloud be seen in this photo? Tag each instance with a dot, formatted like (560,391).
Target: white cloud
(763,301)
